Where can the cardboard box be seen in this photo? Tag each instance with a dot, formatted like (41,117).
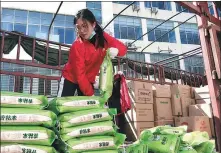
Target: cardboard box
(202,93)
(200,110)
(203,101)
(164,122)
(161,91)
(185,103)
(176,105)
(195,123)
(133,129)
(162,109)
(140,112)
(141,92)
(182,90)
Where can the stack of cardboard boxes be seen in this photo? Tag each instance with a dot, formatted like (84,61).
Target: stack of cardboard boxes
(196,116)
(162,105)
(155,105)
(141,116)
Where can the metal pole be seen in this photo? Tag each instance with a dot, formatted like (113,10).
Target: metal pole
(49,30)
(168,32)
(177,55)
(119,14)
(182,58)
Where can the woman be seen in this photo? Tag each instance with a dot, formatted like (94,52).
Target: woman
(86,56)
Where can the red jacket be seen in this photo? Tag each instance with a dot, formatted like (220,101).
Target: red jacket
(85,60)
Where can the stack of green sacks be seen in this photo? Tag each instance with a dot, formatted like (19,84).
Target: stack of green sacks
(85,125)
(166,139)
(25,127)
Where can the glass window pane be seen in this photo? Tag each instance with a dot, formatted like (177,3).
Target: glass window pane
(7,11)
(97,5)
(20,28)
(69,36)
(59,31)
(34,18)
(172,37)
(131,33)
(32,14)
(32,29)
(147,4)
(7,26)
(21,16)
(183,37)
(123,32)
(7,18)
(44,29)
(116,31)
(90,5)
(46,18)
(69,22)
(151,36)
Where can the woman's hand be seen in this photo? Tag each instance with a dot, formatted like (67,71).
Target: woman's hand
(113,52)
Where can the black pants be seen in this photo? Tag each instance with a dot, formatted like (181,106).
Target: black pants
(67,88)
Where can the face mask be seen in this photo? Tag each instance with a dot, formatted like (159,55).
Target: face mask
(92,34)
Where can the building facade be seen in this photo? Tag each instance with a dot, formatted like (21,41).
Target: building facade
(34,18)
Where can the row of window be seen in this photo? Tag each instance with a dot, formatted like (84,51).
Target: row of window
(126,27)
(37,24)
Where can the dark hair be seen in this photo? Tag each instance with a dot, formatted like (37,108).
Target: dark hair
(86,14)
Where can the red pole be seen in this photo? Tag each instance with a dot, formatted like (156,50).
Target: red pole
(213,84)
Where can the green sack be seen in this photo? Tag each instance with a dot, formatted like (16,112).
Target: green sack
(185,148)
(26,116)
(33,135)
(93,129)
(106,77)
(137,147)
(206,147)
(102,151)
(18,148)
(195,138)
(95,143)
(75,103)
(15,99)
(172,130)
(86,117)
(164,143)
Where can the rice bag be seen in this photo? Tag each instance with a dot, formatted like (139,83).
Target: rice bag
(171,130)
(75,103)
(164,143)
(93,143)
(15,99)
(23,148)
(102,151)
(33,135)
(106,77)
(186,148)
(206,147)
(86,117)
(195,138)
(25,116)
(137,147)
(93,129)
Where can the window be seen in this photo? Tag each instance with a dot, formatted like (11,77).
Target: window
(36,24)
(210,5)
(161,30)
(95,8)
(180,8)
(160,5)
(136,56)
(127,27)
(189,34)
(155,57)
(194,64)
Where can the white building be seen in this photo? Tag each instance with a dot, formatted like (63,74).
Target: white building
(33,18)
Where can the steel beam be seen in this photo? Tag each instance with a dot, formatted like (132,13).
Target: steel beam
(201,11)
(213,84)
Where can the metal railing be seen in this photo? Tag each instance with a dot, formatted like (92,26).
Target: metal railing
(133,70)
